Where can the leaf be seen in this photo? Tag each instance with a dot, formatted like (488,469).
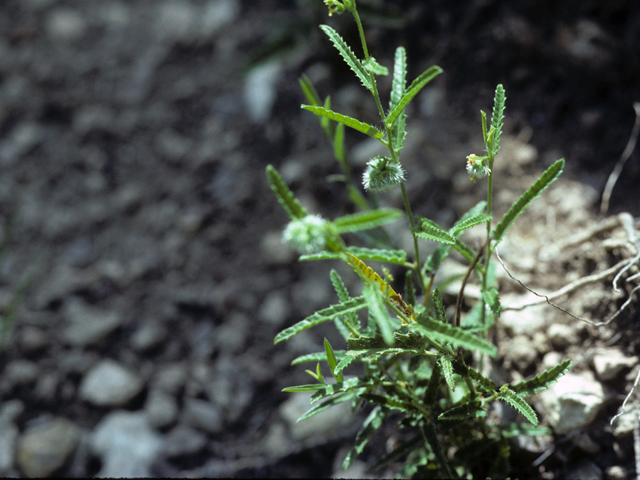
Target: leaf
(379,313)
(399,453)
(433,386)
(344,363)
(369,427)
(320,316)
(309,91)
(389,402)
(432,231)
(464,411)
(338,147)
(409,289)
(348,55)
(305,388)
(496,118)
(463,224)
(338,285)
(367,274)
(441,316)
(321,407)
(513,399)
(432,437)
(399,76)
(486,384)
(411,92)
(465,250)
(333,363)
(366,220)
(350,319)
(316,357)
(284,195)
(447,371)
(348,121)
(319,256)
(546,179)
(398,257)
(543,380)
(372,65)
(454,335)
(346,386)
(492,300)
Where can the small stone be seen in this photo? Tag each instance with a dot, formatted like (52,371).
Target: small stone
(22,139)
(8,435)
(260,90)
(275,309)
(202,415)
(572,402)
(126,444)
(521,351)
(109,384)
(88,326)
(615,472)
(65,24)
(43,449)
(149,336)
(161,408)
(32,340)
(521,322)
(274,250)
(609,363)
(183,441)
(561,336)
(585,470)
(170,378)
(20,372)
(323,424)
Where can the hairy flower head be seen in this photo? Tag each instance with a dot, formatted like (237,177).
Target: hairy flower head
(382,174)
(476,167)
(308,234)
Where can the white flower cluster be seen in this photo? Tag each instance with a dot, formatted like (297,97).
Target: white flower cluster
(382,174)
(307,235)
(476,167)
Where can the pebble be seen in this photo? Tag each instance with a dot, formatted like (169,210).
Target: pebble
(275,309)
(561,336)
(65,24)
(20,141)
(260,90)
(20,372)
(148,336)
(274,250)
(521,322)
(86,325)
(609,363)
(183,441)
(8,435)
(45,447)
(109,384)
(126,444)
(572,402)
(586,470)
(202,415)
(521,351)
(161,409)
(170,378)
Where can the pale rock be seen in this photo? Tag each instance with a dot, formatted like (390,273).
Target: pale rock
(260,90)
(275,309)
(170,378)
(161,409)
(216,15)
(87,325)
(561,336)
(609,363)
(521,322)
(585,470)
(126,445)
(65,24)
(324,424)
(109,384)
(202,415)
(20,372)
(572,402)
(615,472)
(45,447)
(148,336)
(182,441)
(8,434)
(274,250)
(521,351)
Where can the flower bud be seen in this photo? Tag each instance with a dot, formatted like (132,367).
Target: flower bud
(335,6)
(476,167)
(308,234)
(382,174)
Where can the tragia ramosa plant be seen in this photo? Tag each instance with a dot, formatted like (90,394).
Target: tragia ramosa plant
(416,360)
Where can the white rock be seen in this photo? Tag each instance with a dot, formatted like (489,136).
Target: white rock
(520,322)
(260,90)
(275,309)
(203,415)
(323,424)
(65,24)
(561,336)
(161,408)
(572,402)
(183,440)
(126,444)
(86,325)
(610,362)
(109,384)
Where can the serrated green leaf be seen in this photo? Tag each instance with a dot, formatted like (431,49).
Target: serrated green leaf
(386,401)
(348,121)
(338,285)
(316,357)
(469,222)
(464,411)
(485,384)
(346,386)
(465,250)
(330,402)
(284,195)
(344,363)
(496,118)
(516,401)
(547,178)
(441,316)
(366,220)
(411,92)
(372,423)
(432,231)
(399,76)
(433,386)
(333,363)
(305,388)
(379,312)
(309,91)
(454,335)
(398,257)
(409,289)
(345,51)
(543,380)
(446,369)
(372,65)
(319,256)
(320,316)
(431,436)
(338,148)
(399,453)
(492,300)
(324,120)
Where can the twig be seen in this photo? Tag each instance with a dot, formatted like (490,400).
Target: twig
(624,404)
(613,178)
(636,443)
(464,282)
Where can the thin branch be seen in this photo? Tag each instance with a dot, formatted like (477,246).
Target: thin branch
(465,279)
(624,404)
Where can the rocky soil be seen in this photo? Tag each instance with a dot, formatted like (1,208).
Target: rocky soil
(133,141)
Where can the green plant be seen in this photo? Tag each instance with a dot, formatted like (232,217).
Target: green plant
(416,360)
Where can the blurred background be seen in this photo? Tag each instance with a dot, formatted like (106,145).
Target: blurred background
(133,141)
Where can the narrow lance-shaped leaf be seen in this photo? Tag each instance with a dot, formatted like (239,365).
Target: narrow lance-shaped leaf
(454,335)
(430,230)
(547,178)
(344,363)
(369,427)
(348,121)
(399,76)
(411,92)
(320,316)
(284,195)
(469,222)
(367,274)
(379,312)
(496,118)
(348,55)
(333,363)
(447,371)
(432,437)
(374,67)
(310,91)
(543,380)
(518,403)
(317,357)
(398,257)
(465,411)
(441,316)
(366,220)
(321,407)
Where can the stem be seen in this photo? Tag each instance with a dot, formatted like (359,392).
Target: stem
(416,266)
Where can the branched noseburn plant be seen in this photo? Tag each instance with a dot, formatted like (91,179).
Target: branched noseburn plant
(416,360)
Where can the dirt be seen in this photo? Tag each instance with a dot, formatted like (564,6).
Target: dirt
(134,172)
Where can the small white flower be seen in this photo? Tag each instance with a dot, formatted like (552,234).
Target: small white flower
(476,167)
(308,234)
(382,174)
